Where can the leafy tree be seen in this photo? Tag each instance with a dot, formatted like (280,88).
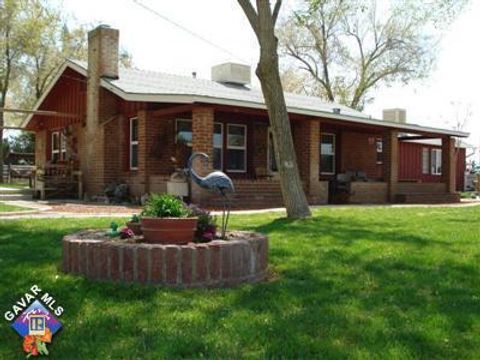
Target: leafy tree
(263,19)
(349,47)
(13,37)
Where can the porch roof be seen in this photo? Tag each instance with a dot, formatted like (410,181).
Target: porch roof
(150,86)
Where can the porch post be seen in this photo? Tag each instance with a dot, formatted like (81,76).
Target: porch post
(142,151)
(202,141)
(314,186)
(390,163)
(449,164)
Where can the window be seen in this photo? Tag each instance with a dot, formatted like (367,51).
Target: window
(327,154)
(133,143)
(183,132)
(217,146)
(63,147)
(272,162)
(425,161)
(436,162)
(379,145)
(55,146)
(236,148)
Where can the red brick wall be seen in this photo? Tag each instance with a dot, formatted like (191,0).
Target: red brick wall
(359,153)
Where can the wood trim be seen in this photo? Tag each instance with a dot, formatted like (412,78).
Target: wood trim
(171,111)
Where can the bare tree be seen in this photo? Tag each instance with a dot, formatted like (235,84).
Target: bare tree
(349,47)
(263,19)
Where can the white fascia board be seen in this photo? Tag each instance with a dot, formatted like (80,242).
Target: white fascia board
(190,99)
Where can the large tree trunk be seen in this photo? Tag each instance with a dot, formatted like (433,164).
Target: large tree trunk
(268,72)
(2,124)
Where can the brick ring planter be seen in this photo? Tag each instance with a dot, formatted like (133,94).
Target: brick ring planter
(242,258)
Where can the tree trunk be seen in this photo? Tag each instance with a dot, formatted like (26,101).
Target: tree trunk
(292,190)
(268,72)
(2,122)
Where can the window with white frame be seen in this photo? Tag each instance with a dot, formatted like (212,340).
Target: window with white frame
(436,161)
(133,143)
(425,161)
(218,146)
(236,148)
(63,146)
(327,154)
(272,162)
(379,146)
(183,131)
(55,146)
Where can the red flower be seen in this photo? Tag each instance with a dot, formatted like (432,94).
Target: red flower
(29,344)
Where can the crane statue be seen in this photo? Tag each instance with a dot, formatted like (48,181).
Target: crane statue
(216,181)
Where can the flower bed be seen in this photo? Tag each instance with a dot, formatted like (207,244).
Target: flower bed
(242,257)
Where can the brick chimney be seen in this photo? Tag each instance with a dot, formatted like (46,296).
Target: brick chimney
(103,44)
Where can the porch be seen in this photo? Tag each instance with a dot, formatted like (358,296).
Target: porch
(339,162)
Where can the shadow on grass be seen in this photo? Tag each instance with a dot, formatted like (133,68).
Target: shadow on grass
(356,288)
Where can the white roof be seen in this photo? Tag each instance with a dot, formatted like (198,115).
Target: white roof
(151,86)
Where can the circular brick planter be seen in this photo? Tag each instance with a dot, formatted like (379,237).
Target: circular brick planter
(242,258)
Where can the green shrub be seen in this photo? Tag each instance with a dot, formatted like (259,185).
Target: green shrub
(165,205)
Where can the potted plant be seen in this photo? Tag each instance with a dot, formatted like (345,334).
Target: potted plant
(134,224)
(166,220)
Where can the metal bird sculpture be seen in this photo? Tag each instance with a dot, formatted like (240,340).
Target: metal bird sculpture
(216,181)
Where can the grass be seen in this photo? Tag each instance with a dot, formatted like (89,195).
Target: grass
(355,283)
(10,208)
(15,185)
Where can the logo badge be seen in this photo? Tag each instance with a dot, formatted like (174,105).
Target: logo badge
(33,320)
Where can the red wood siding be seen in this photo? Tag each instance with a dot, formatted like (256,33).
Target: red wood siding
(410,164)
(67,96)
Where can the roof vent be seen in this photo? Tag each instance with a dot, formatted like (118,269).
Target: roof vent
(395,115)
(336,110)
(231,73)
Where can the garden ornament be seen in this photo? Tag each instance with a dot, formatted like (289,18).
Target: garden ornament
(216,181)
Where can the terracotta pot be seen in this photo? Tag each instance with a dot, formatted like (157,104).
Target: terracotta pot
(168,230)
(135,227)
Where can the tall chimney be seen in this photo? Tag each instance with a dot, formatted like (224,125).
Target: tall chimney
(395,115)
(102,63)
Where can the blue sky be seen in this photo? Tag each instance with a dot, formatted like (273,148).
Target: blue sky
(157,45)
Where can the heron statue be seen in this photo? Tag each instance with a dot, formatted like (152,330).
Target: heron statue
(216,181)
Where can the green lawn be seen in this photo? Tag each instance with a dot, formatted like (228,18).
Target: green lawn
(9,208)
(15,185)
(356,283)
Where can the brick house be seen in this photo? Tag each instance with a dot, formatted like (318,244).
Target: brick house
(132,126)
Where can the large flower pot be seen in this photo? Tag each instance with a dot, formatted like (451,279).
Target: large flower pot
(168,230)
(135,227)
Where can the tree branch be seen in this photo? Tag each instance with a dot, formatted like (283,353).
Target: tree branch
(251,14)
(276,11)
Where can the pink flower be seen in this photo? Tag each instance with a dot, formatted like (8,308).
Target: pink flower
(126,233)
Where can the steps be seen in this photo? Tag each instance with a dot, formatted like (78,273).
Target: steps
(252,195)
(11,194)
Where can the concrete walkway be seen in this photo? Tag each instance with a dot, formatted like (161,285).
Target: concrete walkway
(47,210)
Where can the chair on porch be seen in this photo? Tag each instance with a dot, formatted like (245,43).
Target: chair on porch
(57,181)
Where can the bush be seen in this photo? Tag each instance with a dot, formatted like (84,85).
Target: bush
(165,205)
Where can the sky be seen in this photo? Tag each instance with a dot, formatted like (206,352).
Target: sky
(156,44)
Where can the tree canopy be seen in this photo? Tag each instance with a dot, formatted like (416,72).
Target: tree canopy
(349,47)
